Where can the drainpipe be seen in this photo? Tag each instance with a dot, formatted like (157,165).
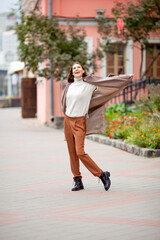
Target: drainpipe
(51,64)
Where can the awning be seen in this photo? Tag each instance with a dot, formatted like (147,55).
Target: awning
(15,67)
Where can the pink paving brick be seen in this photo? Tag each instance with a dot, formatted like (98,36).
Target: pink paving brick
(36,201)
(7,218)
(121,221)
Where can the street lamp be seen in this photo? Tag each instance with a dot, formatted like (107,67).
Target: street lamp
(120,26)
(51,66)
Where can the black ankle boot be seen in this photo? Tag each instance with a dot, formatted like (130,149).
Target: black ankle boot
(106,180)
(78,185)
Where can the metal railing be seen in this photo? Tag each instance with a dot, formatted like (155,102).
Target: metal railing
(134,91)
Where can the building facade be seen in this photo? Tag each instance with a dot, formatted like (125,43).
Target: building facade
(128,57)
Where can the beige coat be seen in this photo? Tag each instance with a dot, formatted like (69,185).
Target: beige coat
(106,89)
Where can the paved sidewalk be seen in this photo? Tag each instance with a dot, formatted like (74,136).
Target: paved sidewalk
(36,202)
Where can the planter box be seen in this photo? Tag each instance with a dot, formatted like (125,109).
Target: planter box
(118,143)
(4,103)
(14,102)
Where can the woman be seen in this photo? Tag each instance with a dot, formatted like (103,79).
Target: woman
(85,96)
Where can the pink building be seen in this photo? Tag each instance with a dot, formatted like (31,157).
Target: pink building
(87,10)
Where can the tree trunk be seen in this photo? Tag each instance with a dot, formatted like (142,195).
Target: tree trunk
(142,48)
(151,63)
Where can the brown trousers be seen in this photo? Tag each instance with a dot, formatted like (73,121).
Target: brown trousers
(75,130)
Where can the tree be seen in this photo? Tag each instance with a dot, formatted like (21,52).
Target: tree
(141,18)
(42,39)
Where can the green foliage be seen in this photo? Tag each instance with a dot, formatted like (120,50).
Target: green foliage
(122,126)
(147,136)
(138,24)
(140,19)
(154,94)
(41,40)
(151,104)
(115,110)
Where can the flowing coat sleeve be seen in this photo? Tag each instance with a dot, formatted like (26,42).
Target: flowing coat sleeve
(107,88)
(65,87)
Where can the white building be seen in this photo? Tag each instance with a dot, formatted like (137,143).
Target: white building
(8,48)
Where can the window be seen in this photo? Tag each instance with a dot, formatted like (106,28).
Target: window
(151,52)
(115,59)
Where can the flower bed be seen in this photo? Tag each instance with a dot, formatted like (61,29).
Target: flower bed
(138,126)
(135,130)
(138,129)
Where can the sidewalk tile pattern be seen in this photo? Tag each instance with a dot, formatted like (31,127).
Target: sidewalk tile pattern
(36,201)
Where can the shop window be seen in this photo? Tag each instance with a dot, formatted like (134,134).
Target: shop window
(115,59)
(151,52)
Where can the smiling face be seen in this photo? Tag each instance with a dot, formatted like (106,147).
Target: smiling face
(77,70)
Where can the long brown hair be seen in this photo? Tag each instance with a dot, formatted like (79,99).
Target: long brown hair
(70,77)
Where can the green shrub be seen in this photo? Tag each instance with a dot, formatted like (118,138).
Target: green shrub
(114,111)
(154,94)
(147,136)
(151,104)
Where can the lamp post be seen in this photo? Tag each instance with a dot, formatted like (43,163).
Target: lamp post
(120,26)
(51,65)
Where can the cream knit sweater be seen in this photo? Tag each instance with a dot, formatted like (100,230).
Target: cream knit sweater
(78,98)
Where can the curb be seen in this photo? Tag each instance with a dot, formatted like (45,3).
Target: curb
(118,143)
